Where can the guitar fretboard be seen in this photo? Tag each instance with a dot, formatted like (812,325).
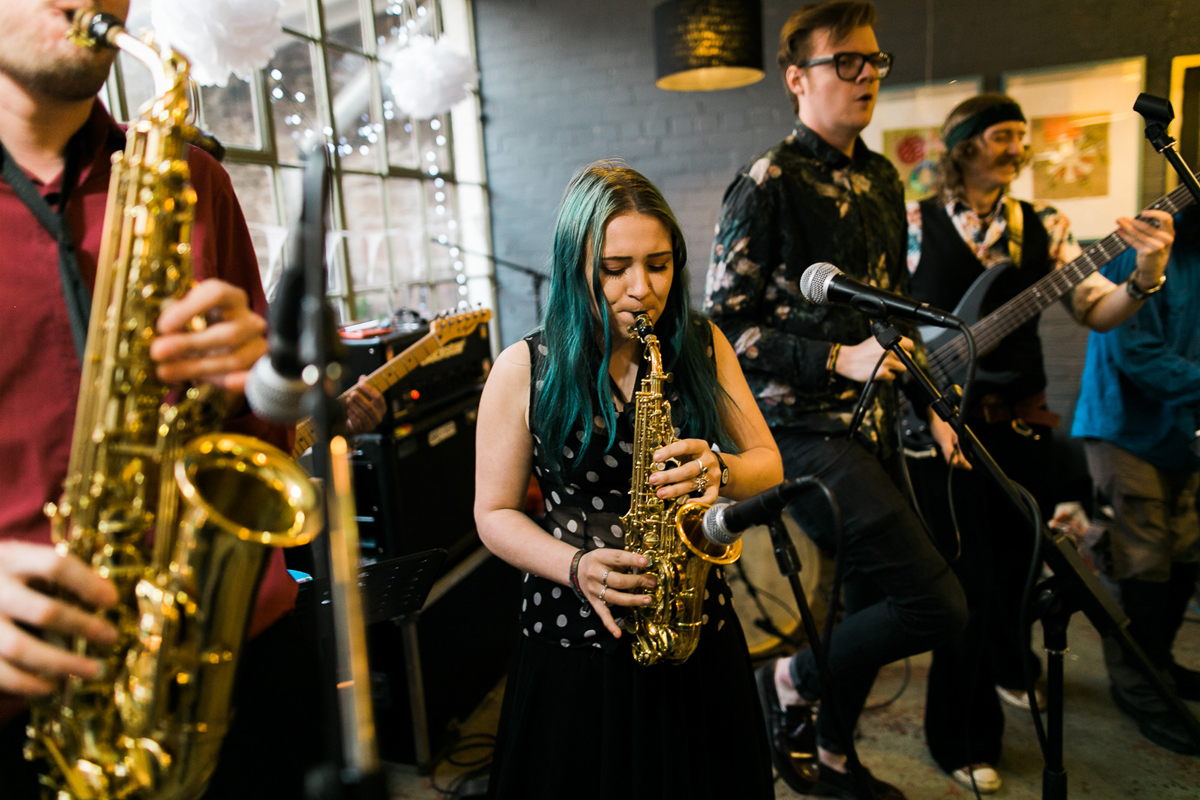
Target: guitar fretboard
(381,380)
(951,358)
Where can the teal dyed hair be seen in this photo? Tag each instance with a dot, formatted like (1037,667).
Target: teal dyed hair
(574,374)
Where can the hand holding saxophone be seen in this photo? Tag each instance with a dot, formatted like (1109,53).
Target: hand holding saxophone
(28,665)
(222,351)
(698,475)
(604,578)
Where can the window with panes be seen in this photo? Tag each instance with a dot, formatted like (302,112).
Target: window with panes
(408,217)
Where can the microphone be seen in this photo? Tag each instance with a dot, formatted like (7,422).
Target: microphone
(273,395)
(824,284)
(724,523)
(274,388)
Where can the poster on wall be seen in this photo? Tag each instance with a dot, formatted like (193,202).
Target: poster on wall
(1185,99)
(1085,141)
(1069,156)
(906,128)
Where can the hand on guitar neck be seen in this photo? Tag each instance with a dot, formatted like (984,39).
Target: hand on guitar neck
(364,406)
(364,403)
(1151,235)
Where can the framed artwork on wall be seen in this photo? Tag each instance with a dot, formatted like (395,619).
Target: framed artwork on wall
(1185,98)
(906,127)
(1085,138)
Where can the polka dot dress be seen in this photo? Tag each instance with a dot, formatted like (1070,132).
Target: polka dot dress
(584,504)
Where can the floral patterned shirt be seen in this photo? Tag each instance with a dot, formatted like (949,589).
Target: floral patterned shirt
(988,239)
(800,203)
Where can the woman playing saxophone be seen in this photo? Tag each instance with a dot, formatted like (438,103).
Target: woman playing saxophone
(580,717)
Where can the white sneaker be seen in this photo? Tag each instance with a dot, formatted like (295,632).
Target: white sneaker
(1020,699)
(987,781)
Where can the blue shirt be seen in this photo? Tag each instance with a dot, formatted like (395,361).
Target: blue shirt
(1141,385)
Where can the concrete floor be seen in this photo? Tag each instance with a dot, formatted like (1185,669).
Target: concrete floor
(1105,755)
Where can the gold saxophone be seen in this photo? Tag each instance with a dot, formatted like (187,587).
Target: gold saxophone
(176,514)
(668,533)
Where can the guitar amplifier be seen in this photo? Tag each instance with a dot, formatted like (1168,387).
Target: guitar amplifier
(415,485)
(440,376)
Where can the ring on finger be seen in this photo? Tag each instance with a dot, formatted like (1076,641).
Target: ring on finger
(600,596)
(703,469)
(701,483)
(604,578)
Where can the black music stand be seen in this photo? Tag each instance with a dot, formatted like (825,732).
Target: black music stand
(390,589)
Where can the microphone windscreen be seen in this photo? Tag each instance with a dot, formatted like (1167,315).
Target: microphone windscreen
(273,396)
(714,529)
(815,279)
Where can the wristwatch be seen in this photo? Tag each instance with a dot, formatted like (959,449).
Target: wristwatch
(1141,294)
(724,469)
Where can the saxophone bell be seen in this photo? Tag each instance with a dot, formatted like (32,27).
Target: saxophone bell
(179,515)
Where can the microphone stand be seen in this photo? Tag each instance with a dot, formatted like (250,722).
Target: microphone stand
(1073,587)
(788,560)
(764,622)
(537,275)
(1158,114)
(352,770)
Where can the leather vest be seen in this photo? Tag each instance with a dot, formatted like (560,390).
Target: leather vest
(946,271)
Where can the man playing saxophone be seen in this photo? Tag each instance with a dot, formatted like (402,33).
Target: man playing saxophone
(57,143)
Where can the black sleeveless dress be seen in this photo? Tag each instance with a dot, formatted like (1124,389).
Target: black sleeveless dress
(580,718)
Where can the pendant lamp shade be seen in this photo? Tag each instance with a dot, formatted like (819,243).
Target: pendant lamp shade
(702,45)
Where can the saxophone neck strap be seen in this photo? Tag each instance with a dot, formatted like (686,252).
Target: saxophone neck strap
(54,220)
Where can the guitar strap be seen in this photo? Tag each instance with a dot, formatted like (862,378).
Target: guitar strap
(1016,230)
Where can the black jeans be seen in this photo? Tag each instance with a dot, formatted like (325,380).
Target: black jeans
(273,740)
(900,596)
(964,721)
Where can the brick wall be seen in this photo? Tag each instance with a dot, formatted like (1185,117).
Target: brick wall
(565,82)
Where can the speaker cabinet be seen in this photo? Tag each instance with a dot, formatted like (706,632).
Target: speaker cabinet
(416,490)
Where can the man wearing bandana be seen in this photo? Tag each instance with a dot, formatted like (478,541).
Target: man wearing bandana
(971,224)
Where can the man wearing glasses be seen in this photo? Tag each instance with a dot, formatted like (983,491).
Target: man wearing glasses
(821,195)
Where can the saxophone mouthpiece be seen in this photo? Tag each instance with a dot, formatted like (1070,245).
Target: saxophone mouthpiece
(642,327)
(91,28)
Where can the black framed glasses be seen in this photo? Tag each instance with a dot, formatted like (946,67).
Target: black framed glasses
(850,65)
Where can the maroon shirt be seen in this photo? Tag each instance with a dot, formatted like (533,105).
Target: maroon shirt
(39,368)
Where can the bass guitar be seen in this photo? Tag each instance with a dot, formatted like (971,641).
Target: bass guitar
(442,331)
(947,349)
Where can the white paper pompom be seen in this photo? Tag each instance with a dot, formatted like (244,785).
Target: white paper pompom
(429,77)
(219,36)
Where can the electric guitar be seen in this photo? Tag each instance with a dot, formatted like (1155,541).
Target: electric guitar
(947,348)
(442,331)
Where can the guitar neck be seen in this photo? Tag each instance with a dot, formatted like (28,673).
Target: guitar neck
(381,380)
(989,332)
(393,371)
